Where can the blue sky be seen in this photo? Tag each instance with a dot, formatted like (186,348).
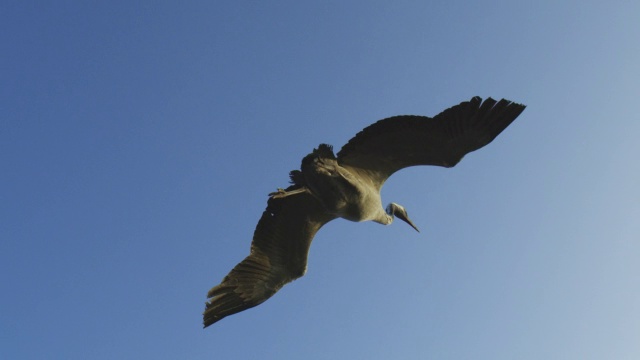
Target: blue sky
(139,142)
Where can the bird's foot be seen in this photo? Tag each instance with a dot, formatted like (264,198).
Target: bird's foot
(281,193)
(278,193)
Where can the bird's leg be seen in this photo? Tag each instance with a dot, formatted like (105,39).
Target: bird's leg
(281,193)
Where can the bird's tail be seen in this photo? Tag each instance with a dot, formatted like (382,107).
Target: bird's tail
(323,153)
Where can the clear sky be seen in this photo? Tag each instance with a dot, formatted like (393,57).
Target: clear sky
(139,141)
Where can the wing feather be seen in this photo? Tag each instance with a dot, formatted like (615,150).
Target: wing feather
(279,252)
(401,141)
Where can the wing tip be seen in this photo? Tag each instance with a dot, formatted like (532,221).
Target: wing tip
(208,319)
(496,116)
(491,103)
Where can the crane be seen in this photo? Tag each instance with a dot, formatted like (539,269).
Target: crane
(347,185)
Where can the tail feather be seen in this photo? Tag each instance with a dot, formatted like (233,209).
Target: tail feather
(323,152)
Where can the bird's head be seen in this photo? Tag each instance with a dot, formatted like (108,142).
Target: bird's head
(394,209)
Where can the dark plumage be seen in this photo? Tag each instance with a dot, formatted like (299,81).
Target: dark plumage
(348,186)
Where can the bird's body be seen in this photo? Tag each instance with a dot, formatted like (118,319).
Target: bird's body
(341,193)
(348,186)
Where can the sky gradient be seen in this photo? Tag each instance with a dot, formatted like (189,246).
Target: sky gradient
(139,143)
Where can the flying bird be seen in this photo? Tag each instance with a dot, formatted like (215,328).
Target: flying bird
(347,185)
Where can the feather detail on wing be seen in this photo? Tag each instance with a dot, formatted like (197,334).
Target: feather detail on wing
(401,141)
(278,255)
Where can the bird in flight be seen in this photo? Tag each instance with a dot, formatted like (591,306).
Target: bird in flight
(347,185)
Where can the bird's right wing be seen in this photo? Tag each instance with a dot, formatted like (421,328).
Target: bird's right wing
(278,255)
(401,141)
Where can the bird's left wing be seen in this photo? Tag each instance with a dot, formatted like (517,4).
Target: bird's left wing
(401,141)
(278,255)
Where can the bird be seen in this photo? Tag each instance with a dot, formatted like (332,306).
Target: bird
(347,185)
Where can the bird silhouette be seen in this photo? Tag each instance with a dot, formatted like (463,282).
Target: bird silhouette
(348,186)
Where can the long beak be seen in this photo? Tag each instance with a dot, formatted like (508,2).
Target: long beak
(402,215)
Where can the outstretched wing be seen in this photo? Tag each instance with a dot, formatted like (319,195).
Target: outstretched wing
(278,255)
(401,141)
